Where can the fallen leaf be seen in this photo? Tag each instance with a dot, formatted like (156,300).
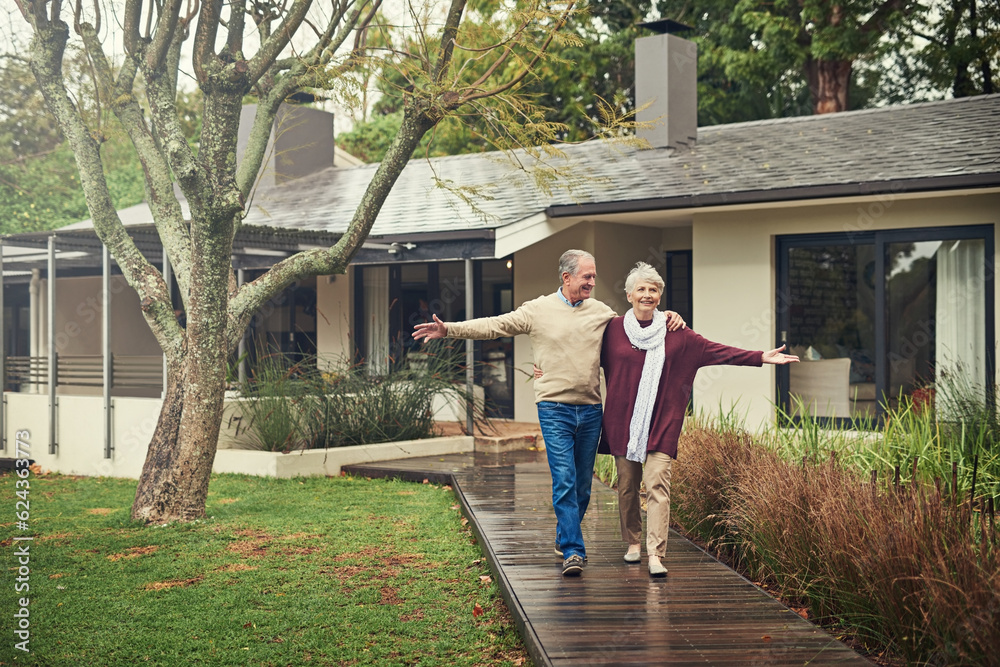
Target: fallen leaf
(766,638)
(477,611)
(465,522)
(426,481)
(454,507)
(486,579)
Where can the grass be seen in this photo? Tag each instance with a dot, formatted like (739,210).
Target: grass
(310,571)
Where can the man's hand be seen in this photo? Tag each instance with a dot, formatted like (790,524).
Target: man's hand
(674,320)
(778,358)
(430,330)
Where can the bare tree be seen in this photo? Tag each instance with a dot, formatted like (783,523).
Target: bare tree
(238,48)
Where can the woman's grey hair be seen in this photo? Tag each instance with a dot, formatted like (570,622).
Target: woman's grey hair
(643,273)
(570,261)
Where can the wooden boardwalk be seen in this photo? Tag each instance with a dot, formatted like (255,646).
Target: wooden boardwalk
(702,613)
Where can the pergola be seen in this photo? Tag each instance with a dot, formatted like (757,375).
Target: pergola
(78,250)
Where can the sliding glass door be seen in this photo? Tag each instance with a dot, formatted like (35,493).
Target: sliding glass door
(882,317)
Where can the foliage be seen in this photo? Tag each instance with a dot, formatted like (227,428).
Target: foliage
(952,49)
(297,406)
(756,60)
(282,571)
(913,439)
(39,183)
(904,568)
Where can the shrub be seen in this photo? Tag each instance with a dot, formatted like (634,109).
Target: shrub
(298,406)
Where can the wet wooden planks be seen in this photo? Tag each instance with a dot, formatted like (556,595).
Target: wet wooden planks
(702,613)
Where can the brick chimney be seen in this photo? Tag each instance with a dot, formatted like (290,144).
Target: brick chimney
(666,77)
(301,142)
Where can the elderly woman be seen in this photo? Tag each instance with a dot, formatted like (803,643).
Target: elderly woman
(649,373)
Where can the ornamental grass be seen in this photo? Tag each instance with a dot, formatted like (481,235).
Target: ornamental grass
(907,567)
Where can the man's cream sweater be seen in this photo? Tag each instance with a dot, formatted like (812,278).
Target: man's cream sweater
(566,343)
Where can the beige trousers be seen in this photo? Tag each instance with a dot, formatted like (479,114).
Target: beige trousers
(656,475)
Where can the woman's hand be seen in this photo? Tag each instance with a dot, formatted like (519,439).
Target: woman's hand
(778,358)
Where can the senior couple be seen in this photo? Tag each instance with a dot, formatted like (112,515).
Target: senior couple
(649,359)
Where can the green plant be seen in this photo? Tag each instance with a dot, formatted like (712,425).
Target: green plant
(317,403)
(271,400)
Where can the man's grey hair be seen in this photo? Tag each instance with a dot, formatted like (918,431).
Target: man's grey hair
(570,261)
(643,273)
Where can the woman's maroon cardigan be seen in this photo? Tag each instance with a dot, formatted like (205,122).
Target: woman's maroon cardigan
(684,353)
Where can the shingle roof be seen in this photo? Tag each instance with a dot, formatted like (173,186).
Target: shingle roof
(939,144)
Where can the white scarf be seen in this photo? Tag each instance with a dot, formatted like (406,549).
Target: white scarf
(649,339)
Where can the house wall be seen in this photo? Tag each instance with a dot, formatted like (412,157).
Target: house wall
(79,308)
(615,247)
(79,311)
(334,318)
(734,282)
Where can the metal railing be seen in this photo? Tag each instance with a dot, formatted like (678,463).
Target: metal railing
(78,370)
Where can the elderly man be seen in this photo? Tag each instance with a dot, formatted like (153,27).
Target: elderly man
(566,329)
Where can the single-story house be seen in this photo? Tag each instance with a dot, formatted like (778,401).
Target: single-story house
(863,240)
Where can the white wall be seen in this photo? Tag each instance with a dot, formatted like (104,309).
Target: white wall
(80,440)
(334,317)
(80,433)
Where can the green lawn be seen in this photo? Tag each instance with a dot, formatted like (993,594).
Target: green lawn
(310,571)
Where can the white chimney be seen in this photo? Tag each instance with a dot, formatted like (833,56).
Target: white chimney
(666,77)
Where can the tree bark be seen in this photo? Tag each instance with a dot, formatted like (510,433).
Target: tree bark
(829,84)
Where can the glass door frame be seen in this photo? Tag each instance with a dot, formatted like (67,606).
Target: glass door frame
(881,240)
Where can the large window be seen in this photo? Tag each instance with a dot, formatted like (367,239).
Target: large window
(390,300)
(883,316)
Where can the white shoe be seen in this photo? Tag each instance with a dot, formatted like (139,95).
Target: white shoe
(656,568)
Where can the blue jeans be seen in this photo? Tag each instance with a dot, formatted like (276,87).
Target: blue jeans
(571,434)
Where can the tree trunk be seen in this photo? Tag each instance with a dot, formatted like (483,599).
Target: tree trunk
(174,481)
(829,84)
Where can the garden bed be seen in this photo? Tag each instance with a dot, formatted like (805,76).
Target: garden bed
(327,462)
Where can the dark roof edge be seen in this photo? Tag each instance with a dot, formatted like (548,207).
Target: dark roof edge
(804,193)
(487,233)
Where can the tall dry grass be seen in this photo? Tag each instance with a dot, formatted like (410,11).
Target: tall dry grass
(903,567)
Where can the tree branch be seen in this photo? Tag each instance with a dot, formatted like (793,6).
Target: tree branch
(163,36)
(48,46)
(253,295)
